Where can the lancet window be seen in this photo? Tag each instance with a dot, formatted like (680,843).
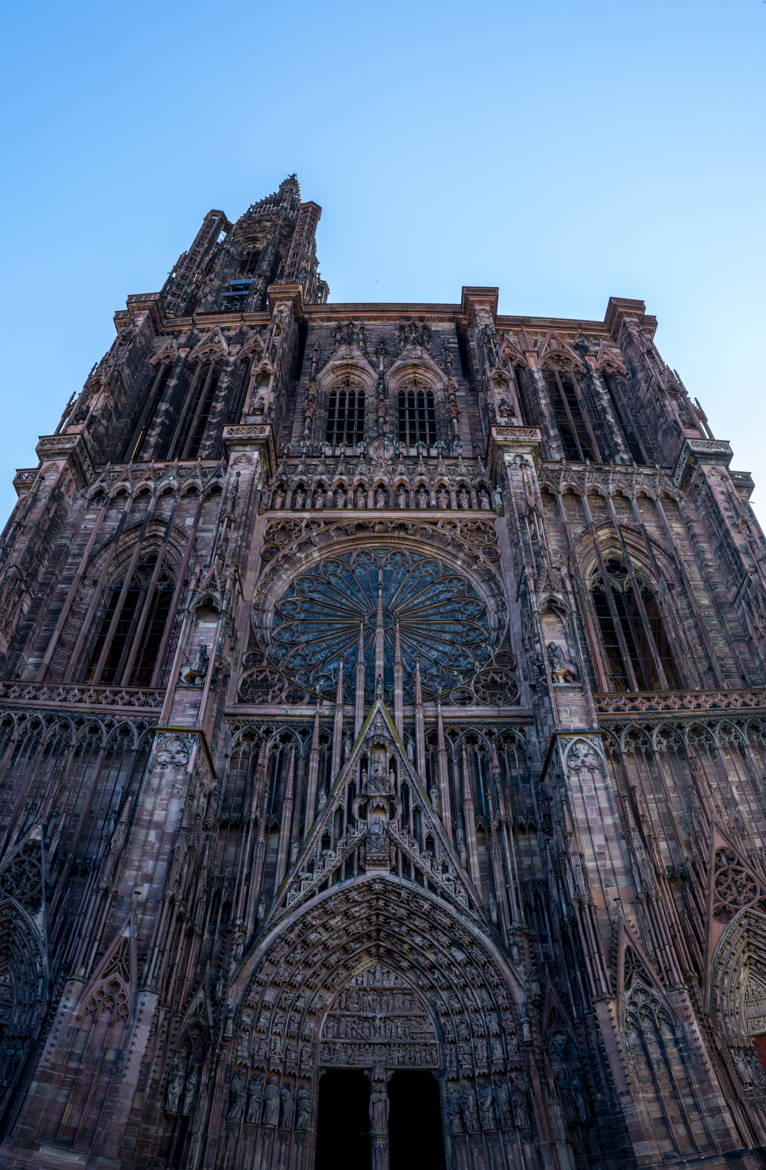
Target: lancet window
(241,383)
(183,438)
(146,418)
(416,414)
(636,649)
(134,617)
(249,262)
(574,430)
(618,393)
(345,413)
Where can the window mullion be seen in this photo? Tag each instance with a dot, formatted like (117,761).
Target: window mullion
(639,602)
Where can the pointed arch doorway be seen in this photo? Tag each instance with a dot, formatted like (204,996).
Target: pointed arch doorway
(379,1103)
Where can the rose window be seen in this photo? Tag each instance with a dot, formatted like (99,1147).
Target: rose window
(442,621)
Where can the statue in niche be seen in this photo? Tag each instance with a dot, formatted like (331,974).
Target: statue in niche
(422,497)
(299,499)
(303,1110)
(380,497)
(288,1107)
(318,499)
(255,1100)
(463,500)
(361,497)
(190,1090)
(195,673)
(562,669)
(279,498)
(442,498)
(271,1104)
(401,496)
(174,1090)
(237,1095)
(379,1108)
(484,500)
(340,498)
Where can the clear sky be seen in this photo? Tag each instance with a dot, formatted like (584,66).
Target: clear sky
(564,152)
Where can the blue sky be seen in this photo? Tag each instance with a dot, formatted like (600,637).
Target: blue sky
(564,152)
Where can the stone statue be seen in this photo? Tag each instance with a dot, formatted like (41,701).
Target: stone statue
(288,1108)
(379,1108)
(401,497)
(271,1104)
(487,1106)
(254,1100)
(174,1090)
(442,498)
(422,497)
(195,673)
(237,1095)
(520,1104)
(190,1090)
(463,499)
(303,1110)
(562,671)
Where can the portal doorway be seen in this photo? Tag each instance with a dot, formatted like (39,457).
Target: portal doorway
(343,1123)
(415,1139)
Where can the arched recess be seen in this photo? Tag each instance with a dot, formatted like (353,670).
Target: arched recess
(23,980)
(465,1002)
(737,997)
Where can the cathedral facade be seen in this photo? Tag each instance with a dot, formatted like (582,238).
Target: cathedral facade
(382,742)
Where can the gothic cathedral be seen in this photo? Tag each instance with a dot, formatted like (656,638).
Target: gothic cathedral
(382,742)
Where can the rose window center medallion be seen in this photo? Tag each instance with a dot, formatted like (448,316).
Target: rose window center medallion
(441,619)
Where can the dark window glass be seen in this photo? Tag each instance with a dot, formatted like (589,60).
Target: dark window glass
(576,436)
(345,415)
(207,383)
(417,416)
(635,643)
(617,393)
(130,633)
(148,412)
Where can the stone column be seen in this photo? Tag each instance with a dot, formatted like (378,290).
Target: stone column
(379,1119)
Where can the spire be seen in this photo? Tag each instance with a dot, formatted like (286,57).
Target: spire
(337,727)
(311,790)
(420,736)
(380,642)
(441,742)
(398,683)
(359,697)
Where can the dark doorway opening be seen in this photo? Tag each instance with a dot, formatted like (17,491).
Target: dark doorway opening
(415,1122)
(343,1124)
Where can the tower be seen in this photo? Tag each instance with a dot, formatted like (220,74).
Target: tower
(382,715)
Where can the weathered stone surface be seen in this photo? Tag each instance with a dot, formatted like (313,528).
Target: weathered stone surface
(382,690)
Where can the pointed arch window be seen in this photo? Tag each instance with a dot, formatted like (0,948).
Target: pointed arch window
(416,414)
(131,633)
(146,418)
(574,430)
(242,381)
(636,649)
(345,414)
(193,403)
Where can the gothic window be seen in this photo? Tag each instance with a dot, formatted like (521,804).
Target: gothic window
(636,650)
(133,620)
(618,394)
(345,414)
(242,380)
(206,383)
(148,412)
(417,414)
(575,432)
(249,262)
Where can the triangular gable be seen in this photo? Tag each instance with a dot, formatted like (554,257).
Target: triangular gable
(608,359)
(118,965)
(213,344)
(553,346)
(22,876)
(168,352)
(733,885)
(314,867)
